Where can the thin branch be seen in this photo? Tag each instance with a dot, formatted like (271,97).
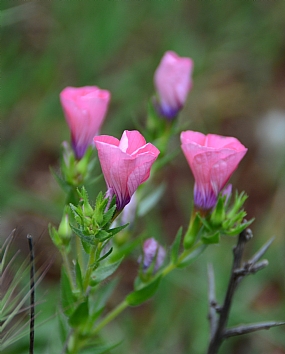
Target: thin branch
(239,330)
(238,272)
(212,301)
(260,253)
(251,270)
(218,337)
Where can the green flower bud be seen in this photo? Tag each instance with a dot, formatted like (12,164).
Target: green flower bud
(192,232)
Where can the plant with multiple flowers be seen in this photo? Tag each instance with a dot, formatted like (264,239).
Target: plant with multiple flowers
(94,237)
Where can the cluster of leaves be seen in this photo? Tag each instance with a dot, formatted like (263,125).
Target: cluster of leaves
(224,219)
(94,224)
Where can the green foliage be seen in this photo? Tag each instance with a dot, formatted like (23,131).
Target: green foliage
(145,292)
(93,224)
(67,297)
(104,271)
(176,246)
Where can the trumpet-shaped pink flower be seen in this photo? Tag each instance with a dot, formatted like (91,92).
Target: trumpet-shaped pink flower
(172,81)
(84,109)
(125,163)
(212,159)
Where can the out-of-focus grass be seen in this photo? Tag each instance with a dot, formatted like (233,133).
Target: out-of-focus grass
(239,54)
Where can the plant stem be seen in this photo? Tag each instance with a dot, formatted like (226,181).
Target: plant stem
(89,269)
(181,258)
(218,337)
(67,267)
(113,314)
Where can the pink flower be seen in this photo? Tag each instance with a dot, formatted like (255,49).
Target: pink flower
(125,163)
(84,109)
(212,159)
(152,250)
(172,80)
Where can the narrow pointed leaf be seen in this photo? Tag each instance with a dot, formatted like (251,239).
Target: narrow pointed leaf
(175,246)
(139,296)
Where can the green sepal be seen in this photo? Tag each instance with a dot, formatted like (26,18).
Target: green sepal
(67,297)
(192,232)
(219,213)
(104,271)
(80,315)
(192,257)
(174,253)
(205,223)
(137,297)
(210,239)
(237,230)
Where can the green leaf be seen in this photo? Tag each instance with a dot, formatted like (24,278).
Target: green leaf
(67,297)
(237,230)
(108,215)
(192,257)
(103,293)
(61,182)
(175,246)
(103,235)
(105,255)
(80,315)
(210,239)
(116,230)
(78,274)
(98,348)
(86,246)
(88,239)
(104,271)
(139,296)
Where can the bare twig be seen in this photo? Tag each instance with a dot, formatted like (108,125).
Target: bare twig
(239,330)
(238,272)
(260,252)
(212,301)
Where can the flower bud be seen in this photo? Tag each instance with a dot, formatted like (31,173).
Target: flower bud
(172,81)
(152,252)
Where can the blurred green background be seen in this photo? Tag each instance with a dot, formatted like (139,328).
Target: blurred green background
(239,88)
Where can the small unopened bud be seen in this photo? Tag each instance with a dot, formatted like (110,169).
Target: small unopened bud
(64,229)
(152,252)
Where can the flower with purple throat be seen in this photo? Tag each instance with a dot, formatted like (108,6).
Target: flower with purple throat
(84,109)
(172,80)
(212,159)
(125,163)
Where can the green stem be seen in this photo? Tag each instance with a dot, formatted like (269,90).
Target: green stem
(181,258)
(113,314)
(123,305)
(67,267)
(91,261)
